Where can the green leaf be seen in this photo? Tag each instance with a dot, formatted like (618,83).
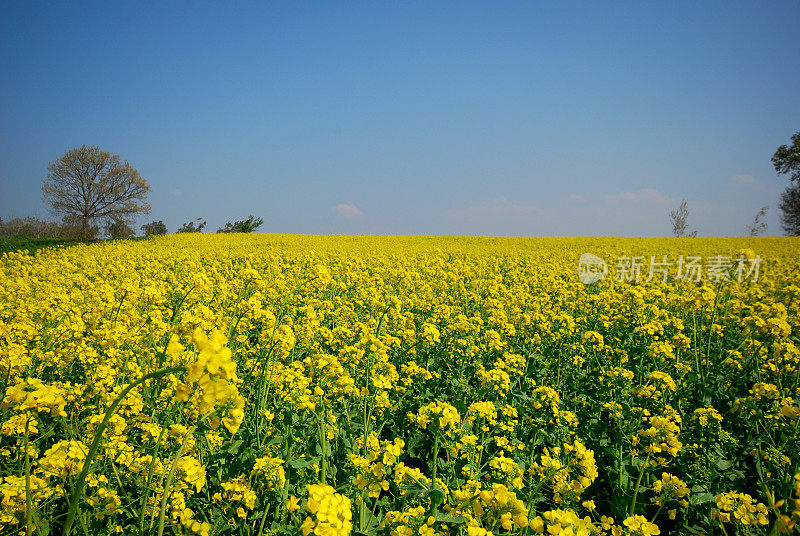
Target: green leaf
(276,440)
(437,495)
(700,498)
(302,463)
(724,465)
(451,520)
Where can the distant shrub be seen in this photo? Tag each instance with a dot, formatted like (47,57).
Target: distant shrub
(29,227)
(72,228)
(116,229)
(154,228)
(249,225)
(190,227)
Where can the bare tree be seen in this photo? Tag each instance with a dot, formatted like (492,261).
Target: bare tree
(89,184)
(679,219)
(29,227)
(759,226)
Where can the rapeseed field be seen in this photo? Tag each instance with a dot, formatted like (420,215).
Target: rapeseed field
(401,386)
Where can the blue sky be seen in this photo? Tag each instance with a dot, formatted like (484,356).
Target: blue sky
(487,118)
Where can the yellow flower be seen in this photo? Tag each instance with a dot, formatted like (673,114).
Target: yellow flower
(332,510)
(639,526)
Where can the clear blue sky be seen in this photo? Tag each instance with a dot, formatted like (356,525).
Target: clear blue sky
(495,118)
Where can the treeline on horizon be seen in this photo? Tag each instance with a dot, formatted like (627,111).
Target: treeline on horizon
(71,229)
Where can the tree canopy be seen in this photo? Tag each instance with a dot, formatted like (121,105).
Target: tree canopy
(787,162)
(790,210)
(787,159)
(154,228)
(250,225)
(89,184)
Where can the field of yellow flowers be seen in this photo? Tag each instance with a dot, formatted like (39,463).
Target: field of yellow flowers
(401,386)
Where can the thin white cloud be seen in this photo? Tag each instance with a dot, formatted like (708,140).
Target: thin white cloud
(348,210)
(177,192)
(644,194)
(577,198)
(743,180)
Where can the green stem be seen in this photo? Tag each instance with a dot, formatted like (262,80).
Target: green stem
(263,520)
(323,439)
(150,479)
(435,457)
(28,500)
(694,334)
(168,483)
(544,480)
(362,514)
(711,332)
(653,520)
(80,483)
(638,482)
(372,513)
